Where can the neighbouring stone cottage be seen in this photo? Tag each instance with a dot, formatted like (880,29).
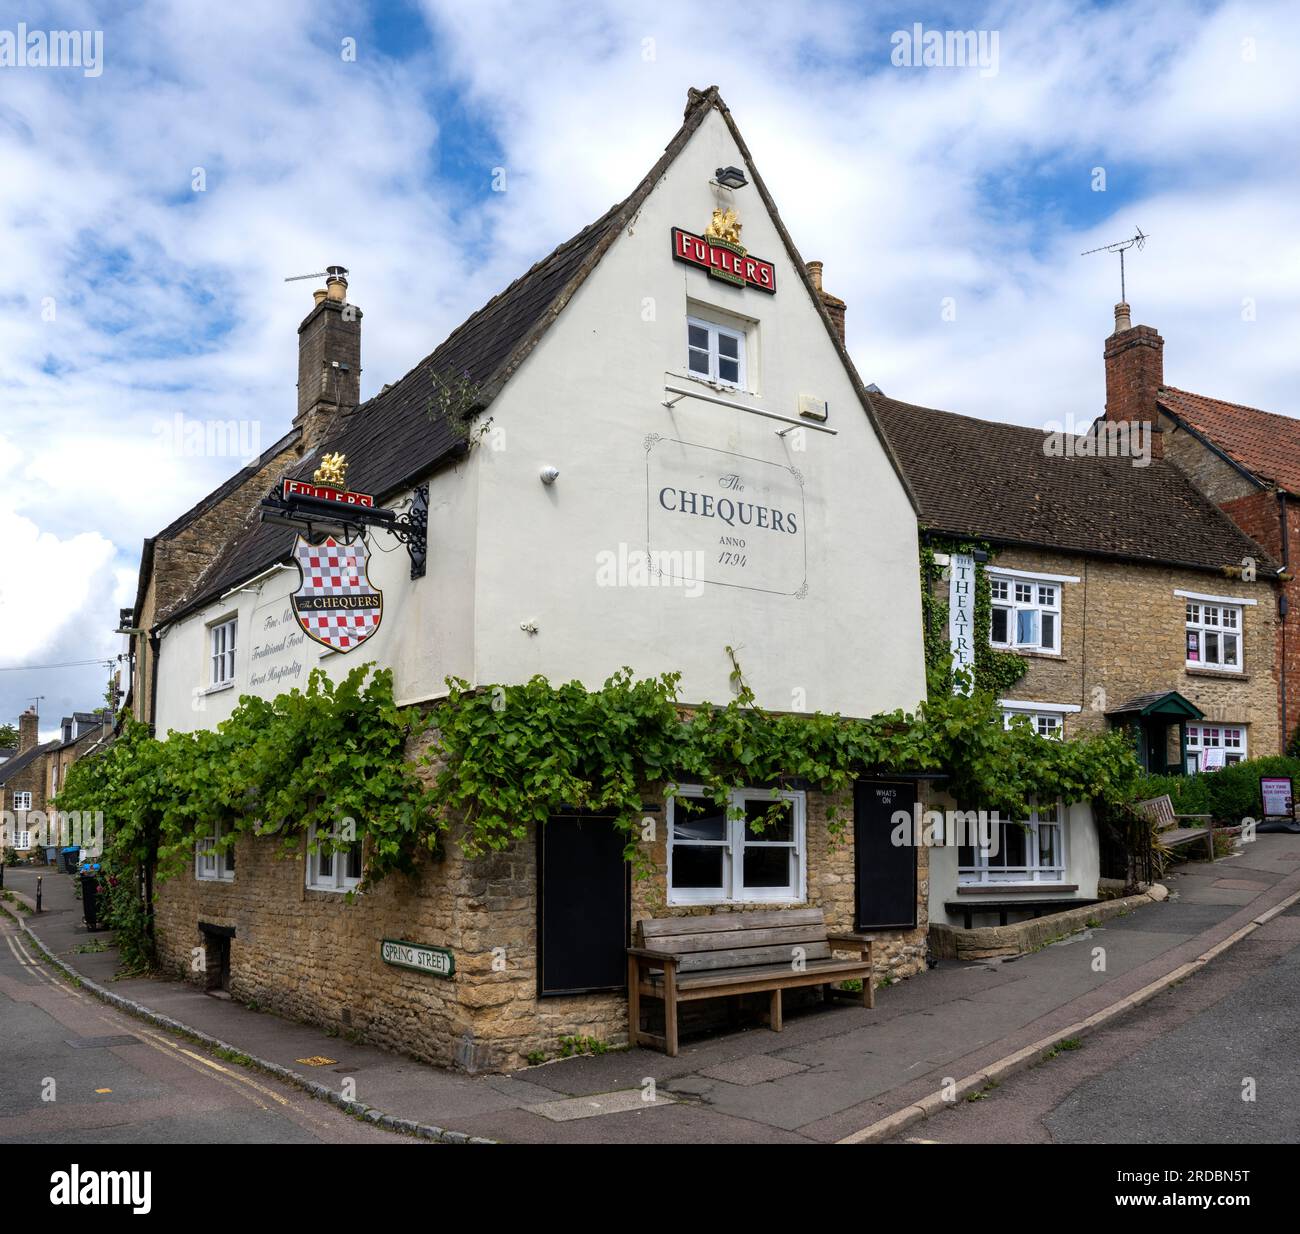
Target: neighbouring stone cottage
(650,448)
(1132,602)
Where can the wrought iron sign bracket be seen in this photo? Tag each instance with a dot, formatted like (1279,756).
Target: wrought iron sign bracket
(321,516)
(412,529)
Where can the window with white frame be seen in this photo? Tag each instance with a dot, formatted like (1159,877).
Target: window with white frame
(1026,613)
(750,849)
(1044,723)
(335,865)
(715,352)
(22,801)
(1214,636)
(1030,851)
(22,840)
(222,651)
(1214,745)
(211,862)
(54,778)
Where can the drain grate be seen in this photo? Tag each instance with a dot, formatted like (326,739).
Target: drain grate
(99,1043)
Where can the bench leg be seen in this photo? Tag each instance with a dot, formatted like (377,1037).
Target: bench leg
(774,1014)
(1209,843)
(869,981)
(633,1002)
(670,1012)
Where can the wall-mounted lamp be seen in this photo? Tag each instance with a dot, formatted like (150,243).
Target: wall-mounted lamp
(550,475)
(731,177)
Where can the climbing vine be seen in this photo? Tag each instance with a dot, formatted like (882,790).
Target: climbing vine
(995,670)
(501,760)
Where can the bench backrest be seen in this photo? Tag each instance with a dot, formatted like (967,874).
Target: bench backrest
(1161,810)
(737,940)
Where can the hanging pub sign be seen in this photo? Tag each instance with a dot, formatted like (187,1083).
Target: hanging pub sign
(961,617)
(720,252)
(335,603)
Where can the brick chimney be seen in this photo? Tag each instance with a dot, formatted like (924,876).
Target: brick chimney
(1135,371)
(28,725)
(329,362)
(834,305)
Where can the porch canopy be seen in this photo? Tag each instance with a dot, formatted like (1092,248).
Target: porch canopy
(1150,717)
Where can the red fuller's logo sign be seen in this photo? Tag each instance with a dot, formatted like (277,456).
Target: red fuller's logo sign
(325,492)
(335,603)
(724,260)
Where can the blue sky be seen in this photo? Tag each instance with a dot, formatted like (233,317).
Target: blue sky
(129,297)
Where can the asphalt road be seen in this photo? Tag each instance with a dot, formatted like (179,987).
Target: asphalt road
(74,1071)
(1176,1070)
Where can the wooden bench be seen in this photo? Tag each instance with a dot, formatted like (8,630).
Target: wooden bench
(683,959)
(1003,907)
(1171,834)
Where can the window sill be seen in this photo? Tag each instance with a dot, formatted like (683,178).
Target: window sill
(333,891)
(971,889)
(1031,655)
(225,685)
(214,878)
(788,902)
(718,387)
(1219,674)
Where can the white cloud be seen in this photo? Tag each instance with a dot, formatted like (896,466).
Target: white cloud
(911,185)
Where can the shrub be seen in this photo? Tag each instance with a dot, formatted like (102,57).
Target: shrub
(1229,795)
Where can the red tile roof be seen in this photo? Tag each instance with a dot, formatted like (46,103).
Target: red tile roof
(1264,443)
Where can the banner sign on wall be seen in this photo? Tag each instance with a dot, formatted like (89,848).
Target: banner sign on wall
(961,616)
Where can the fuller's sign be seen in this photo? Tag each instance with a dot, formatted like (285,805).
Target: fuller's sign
(724,260)
(325,492)
(436,960)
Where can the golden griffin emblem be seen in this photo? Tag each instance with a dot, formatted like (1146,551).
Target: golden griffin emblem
(724,225)
(333,470)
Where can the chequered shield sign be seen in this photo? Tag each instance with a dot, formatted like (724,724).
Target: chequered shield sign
(335,603)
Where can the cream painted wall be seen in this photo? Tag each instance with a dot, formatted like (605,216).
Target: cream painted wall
(507,551)
(586,401)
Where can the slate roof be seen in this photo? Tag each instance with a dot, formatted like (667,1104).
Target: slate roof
(991,481)
(399,436)
(1265,444)
(11,767)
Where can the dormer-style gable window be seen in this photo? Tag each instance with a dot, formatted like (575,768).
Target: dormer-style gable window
(715,352)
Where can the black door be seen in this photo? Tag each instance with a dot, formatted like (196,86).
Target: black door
(583,905)
(885,873)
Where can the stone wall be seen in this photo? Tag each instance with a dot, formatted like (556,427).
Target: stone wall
(1123,634)
(311,956)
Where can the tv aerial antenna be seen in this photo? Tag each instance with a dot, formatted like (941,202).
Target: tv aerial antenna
(341,271)
(1121,247)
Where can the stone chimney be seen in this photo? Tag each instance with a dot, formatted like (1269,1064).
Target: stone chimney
(329,362)
(834,305)
(28,725)
(1135,371)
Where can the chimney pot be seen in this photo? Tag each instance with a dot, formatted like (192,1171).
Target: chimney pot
(319,294)
(1123,318)
(833,304)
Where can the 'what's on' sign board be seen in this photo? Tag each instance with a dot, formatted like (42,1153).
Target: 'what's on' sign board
(438,961)
(961,616)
